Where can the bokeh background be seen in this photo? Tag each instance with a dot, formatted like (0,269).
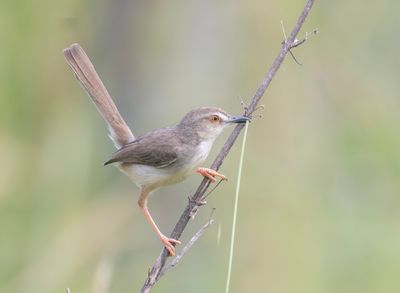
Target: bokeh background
(320,200)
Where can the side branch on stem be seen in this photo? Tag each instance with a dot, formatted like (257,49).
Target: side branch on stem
(195,202)
(185,250)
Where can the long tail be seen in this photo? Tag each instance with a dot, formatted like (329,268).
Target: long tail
(87,76)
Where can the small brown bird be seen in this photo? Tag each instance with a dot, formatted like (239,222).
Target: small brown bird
(161,157)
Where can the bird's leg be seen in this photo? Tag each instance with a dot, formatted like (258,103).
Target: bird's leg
(167,242)
(210,174)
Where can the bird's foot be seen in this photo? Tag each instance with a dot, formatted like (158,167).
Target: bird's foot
(169,244)
(210,174)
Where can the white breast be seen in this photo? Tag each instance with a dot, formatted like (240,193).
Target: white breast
(203,150)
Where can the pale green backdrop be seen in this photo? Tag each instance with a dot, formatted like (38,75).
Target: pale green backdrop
(320,202)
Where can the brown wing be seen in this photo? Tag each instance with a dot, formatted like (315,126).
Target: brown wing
(152,150)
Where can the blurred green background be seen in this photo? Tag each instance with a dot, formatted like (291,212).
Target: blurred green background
(320,205)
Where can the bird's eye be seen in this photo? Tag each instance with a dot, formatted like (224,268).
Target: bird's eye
(214,118)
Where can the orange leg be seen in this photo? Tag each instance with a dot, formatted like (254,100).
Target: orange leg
(167,242)
(210,174)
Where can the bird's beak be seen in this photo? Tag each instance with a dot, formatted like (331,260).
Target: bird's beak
(238,119)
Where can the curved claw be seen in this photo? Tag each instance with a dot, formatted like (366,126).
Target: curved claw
(211,174)
(169,244)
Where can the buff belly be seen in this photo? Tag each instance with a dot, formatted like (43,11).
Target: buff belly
(152,177)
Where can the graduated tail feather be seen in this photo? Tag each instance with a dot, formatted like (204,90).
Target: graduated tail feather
(87,76)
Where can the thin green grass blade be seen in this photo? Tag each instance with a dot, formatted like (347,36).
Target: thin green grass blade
(228,279)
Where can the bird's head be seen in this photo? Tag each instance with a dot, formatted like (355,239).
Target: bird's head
(208,122)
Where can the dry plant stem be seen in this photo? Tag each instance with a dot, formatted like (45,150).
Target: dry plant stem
(192,206)
(185,250)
